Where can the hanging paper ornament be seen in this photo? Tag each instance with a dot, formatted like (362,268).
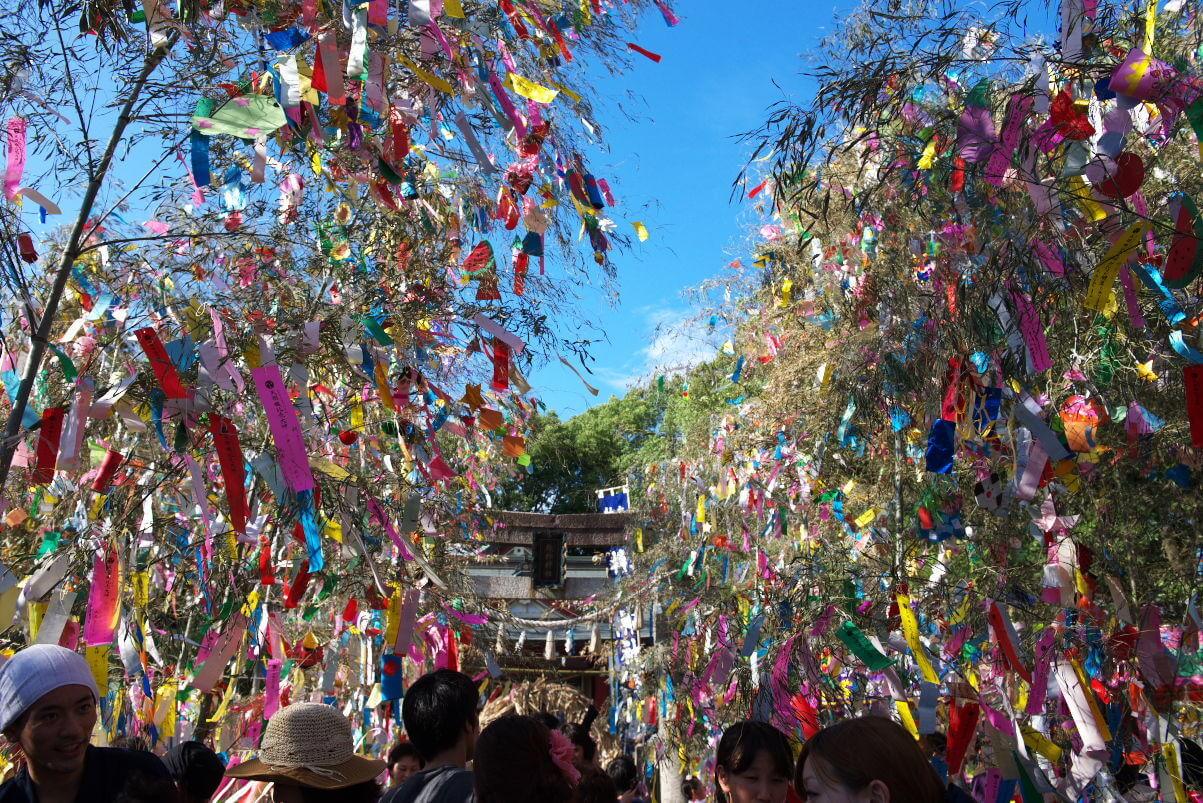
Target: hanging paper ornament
(549,646)
(1184,261)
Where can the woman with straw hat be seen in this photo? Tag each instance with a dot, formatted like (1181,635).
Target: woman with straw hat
(308,753)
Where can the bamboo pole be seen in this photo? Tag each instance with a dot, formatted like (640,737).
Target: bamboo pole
(74,246)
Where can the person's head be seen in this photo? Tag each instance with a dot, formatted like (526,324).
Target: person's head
(584,748)
(691,789)
(518,759)
(595,786)
(308,753)
(550,721)
(753,763)
(936,744)
(140,788)
(138,743)
(623,773)
(196,769)
(440,714)
(403,761)
(866,760)
(48,707)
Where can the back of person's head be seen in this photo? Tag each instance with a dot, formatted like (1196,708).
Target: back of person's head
(403,749)
(623,773)
(868,754)
(439,710)
(595,786)
(517,761)
(578,734)
(936,743)
(691,789)
(141,788)
(745,749)
(550,721)
(196,769)
(139,743)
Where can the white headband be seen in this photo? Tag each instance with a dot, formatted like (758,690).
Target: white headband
(36,671)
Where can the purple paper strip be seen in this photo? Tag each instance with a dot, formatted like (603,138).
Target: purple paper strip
(285,426)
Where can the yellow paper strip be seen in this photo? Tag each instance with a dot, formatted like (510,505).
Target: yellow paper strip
(439,83)
(640,231)
(904,716)
(1041,744)
(1103,279)
(910,630)
(1150,26)
(529,89)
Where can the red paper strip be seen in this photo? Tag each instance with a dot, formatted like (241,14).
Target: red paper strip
(48,440)
(233,471)
(267,575)
(297,589)
(949,411)
(1192,377)
(521,265)
(962,721)
(108,468)
(957,182)
(1004,635)
(501,365)
(161,364)
(643,52)
(758,189)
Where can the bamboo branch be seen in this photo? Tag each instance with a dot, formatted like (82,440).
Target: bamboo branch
(41,337)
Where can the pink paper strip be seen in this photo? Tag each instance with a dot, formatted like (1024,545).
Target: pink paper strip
(223,351)
(1130,299)
(1048,257)
(271,694)
(15,168)
(285,426)
(104,598)
(1030,481)
(379,514)
(1018,109)
(408,621)
(507,105)
(1044,665)
(221,653)
(336,91)
(202,501)
(1033,332)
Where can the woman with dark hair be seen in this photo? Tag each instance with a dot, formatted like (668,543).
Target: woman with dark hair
(866,760)
(754,763)
(518,759)
(404,761)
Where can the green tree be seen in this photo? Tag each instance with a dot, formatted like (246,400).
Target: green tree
(598,448)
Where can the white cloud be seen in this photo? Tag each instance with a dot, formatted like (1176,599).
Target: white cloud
(676,341)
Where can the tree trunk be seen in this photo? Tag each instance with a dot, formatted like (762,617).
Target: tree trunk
(669,767)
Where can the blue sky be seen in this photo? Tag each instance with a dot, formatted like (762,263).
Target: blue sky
(672,169)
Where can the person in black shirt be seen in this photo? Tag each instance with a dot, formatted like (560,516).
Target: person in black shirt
(196,769)
(48,711)
(442,720)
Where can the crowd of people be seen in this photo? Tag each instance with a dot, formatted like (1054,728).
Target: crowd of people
(49,707)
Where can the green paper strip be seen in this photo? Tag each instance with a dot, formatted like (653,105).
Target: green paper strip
(375,331)
(861,647)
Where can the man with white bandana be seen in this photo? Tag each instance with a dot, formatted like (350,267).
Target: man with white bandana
(48,710)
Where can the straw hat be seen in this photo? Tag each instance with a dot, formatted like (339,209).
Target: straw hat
(309,744)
